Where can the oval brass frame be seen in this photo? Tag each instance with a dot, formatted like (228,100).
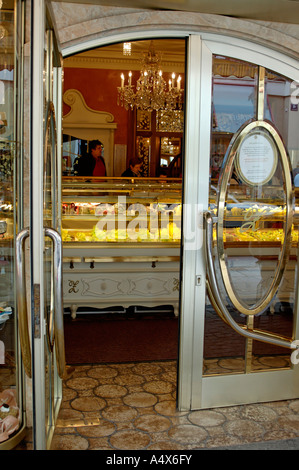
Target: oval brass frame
(55,331)
(49,133)
(225,175)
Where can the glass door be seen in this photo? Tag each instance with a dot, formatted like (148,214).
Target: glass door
(45,241)
(240,229)
(12,396)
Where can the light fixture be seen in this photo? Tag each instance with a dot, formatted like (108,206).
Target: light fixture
(127,48)
(152,92)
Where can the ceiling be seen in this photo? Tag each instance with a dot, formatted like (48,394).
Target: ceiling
(171,51)
(283,11)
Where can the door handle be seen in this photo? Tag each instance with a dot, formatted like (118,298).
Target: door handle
(21,301)
(58,302)
(220,307)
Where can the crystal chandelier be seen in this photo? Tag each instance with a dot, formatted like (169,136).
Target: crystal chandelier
(151,92)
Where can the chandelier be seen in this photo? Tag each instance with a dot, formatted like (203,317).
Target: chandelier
(151,91)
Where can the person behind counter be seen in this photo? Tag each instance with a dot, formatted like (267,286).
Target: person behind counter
(93,164)
(134,169)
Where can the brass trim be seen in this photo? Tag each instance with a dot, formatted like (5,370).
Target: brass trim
(131,259)
(264,302)
(72,260)
(249,345)
(21,299)
(50,139)
(13,441)
(58,301)
(261,93)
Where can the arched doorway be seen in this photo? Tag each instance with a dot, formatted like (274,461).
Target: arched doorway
(203,53)
(122,234)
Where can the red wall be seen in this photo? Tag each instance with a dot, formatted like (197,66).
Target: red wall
(99,89)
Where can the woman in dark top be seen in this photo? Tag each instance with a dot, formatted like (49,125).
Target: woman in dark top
(93,163)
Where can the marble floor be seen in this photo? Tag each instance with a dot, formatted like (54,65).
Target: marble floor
(132,406)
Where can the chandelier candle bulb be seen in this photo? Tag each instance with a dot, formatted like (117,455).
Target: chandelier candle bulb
(179,82)
(122,80)
(130,78)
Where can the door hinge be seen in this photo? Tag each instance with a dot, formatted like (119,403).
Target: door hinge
(36,295)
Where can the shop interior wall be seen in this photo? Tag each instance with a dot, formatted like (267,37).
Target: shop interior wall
(99,89)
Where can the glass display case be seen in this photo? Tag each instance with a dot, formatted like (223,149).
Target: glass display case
(250,240)
(259,224)
(121,241)
(121,238)
(142,210)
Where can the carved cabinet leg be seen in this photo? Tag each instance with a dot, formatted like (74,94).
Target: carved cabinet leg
(73,309)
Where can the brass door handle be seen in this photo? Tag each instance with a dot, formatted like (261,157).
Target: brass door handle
(21,300)
(58,301)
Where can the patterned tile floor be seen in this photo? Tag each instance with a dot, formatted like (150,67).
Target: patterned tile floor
(132,406)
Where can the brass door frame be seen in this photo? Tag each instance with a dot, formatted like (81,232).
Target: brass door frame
(199,391)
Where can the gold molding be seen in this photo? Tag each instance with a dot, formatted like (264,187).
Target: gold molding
(116,63)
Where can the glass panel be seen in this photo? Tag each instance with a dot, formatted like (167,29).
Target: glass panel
(279,318)
(143,120)
(48,262)
(254,220)
(10,389)
(50,220)
(170,148)
(170,121)
(144,152)
(234,91)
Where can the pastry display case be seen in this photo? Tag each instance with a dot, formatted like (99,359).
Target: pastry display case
(249,240)
(127,210)
(121,239)
(121,242)
(258,224)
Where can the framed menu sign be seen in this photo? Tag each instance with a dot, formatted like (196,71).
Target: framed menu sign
(257,158)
